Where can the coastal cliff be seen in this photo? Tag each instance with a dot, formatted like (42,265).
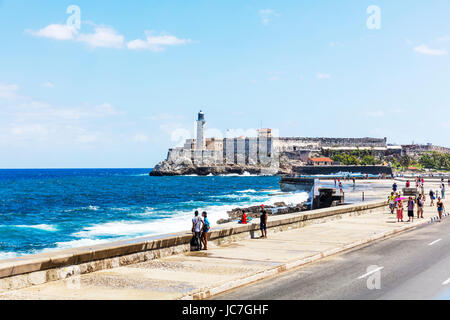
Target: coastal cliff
(184,166)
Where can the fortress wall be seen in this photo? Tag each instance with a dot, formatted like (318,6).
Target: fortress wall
(415,150)
(310,170)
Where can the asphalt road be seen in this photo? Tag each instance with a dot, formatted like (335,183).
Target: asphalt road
(412,265)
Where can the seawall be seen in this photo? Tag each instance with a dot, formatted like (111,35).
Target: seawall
(41,268)
(312,170)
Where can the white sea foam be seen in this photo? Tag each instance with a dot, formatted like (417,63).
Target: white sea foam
(181,221)
(77,243)
(247,191)
(8,255)
(245,174)
(45,227)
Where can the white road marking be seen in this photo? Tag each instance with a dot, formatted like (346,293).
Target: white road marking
(371,272)
(436,241)
(446,282)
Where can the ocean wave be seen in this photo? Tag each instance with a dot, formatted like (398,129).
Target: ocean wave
(176,223)
(44,227)
(245,174)
(182,220)
(247,191)
(88,208)
(76,244)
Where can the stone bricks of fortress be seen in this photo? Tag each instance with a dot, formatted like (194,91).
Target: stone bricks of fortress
(417,149)
(261,150)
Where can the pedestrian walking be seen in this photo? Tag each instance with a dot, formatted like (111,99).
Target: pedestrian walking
(420,204)
(443,190)
(432,197)
(440,208)
(391,200)
(394,187)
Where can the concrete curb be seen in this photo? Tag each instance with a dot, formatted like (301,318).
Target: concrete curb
(436,217)
(221,288)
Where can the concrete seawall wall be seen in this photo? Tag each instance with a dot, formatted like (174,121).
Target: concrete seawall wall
(335,169)
(41,268)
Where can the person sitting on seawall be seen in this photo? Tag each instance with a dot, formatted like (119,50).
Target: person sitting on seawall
(244,218)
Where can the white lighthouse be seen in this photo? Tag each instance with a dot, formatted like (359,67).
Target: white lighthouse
(200,143)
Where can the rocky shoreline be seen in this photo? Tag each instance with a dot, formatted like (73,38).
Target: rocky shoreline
(278,208)
(185,166)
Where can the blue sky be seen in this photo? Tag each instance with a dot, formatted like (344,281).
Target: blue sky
(127,85)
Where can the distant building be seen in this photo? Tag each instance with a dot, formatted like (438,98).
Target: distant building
(265,149)
(320,161)
(201,143)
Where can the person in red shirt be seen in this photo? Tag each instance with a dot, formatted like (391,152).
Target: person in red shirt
(244,217)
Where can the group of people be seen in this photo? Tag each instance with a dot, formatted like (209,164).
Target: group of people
(396,202)
(338,182)
(262,220)
(201,228)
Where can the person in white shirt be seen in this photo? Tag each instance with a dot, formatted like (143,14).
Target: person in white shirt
(197,225)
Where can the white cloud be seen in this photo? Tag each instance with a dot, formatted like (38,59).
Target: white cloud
(443,39)
(108,37)
(375,114)
(274,76)
(48,84)
(8,91)
(104,37)
(267,15)
(336,44)
(423,49)
(140,138)
(24,121)
(105,109)
(156,42)
(323,76)
(56,32)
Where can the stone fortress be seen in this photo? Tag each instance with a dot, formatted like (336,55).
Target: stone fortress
(266,153)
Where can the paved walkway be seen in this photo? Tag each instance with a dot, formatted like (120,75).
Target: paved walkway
(224,267)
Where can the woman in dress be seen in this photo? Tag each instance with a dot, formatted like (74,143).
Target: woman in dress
(399,210)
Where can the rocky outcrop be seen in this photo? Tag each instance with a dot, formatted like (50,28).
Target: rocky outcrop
(254,211)
(184,166)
